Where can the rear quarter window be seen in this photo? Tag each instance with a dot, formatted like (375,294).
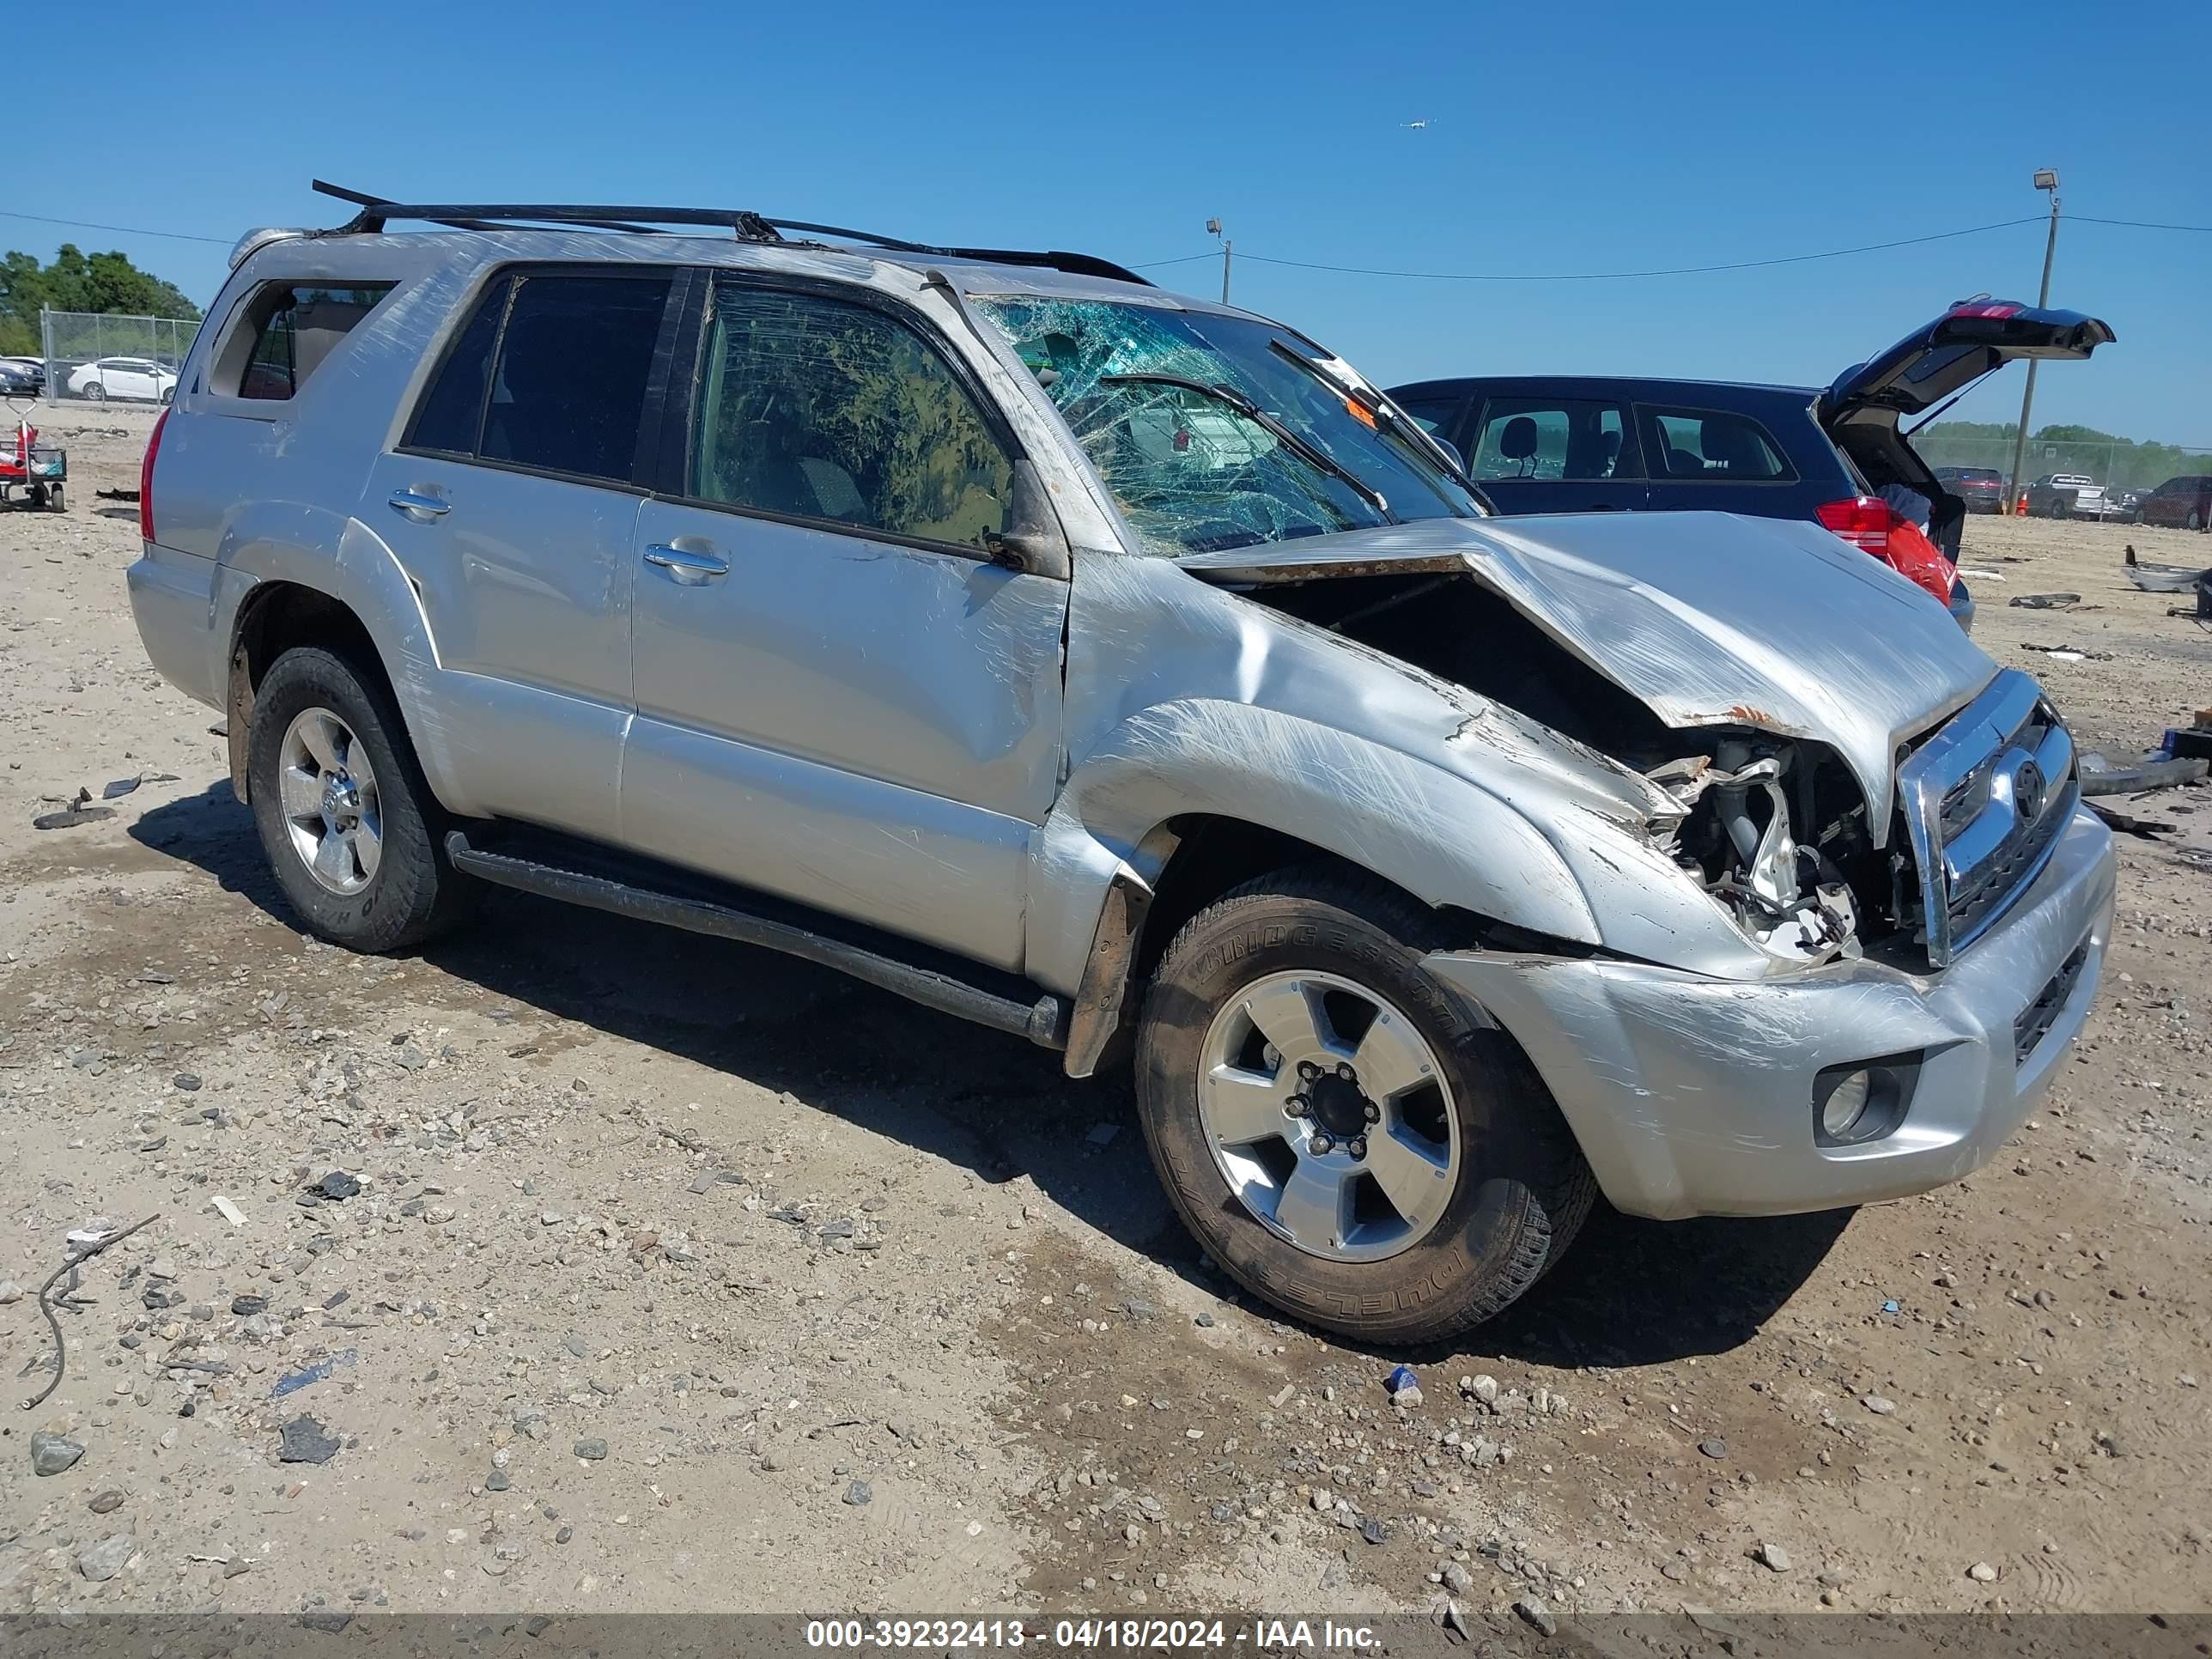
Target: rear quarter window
(1711,446)
(285,332)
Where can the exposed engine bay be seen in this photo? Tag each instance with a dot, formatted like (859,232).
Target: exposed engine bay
(1774,828)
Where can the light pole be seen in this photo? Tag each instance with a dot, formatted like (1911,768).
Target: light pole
(2045,179)
(1213,228)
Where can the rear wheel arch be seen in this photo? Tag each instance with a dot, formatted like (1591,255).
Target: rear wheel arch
(274,618)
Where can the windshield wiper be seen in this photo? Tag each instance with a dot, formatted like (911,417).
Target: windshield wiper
(1313,456)
(1376,407)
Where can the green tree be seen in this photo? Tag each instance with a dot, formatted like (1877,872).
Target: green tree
(77,281)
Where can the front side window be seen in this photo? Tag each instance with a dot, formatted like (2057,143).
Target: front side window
(1214,431)
(1712,447)
(813,408)
(550,373)
(1566,440)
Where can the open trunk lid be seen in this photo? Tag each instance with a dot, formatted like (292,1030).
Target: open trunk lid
(1975,337)
(1707,618)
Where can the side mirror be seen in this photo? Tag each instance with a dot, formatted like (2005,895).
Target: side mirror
(1452,450)
(1033,541)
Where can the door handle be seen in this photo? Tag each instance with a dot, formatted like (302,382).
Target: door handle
(419,506)
(684,565)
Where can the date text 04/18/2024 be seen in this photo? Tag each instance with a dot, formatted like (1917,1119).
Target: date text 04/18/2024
(1162,1634)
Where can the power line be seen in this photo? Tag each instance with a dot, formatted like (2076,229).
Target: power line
(2137,224)
(1624,275)
(119,230)
(1676,271)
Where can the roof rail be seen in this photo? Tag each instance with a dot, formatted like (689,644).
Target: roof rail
(748,226)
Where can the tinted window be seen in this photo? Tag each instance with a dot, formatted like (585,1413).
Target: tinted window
(452,414)
(1434,416)
(1712,447)
(569,390)
(295,327)
(813,408)
(1564,438)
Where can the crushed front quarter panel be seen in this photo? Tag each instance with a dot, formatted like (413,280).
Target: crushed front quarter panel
(1709,618)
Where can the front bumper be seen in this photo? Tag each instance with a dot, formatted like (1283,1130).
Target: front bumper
(1693,1095)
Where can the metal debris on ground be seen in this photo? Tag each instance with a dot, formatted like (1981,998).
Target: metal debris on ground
(2159,578)
(2129,824)
(84,1243)
(2070,653)
(2141,780)
(2046,601)
(76,812)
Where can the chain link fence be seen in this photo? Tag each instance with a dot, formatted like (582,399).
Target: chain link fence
(2119,467)
(94,358)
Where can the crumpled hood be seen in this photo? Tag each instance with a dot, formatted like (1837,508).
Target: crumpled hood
(1708,618)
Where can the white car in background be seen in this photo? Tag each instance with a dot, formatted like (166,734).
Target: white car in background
(139,378)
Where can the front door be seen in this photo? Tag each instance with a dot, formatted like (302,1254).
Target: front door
(840,698)
(512,504)
(1550,454)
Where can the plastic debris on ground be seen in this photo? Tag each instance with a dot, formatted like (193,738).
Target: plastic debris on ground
(312,1374)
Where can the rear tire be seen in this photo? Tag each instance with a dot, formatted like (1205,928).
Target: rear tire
(352,831)
(1515,1190)
(96,393)
(2196,520)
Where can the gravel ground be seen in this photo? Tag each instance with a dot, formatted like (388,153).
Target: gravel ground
(578,1266)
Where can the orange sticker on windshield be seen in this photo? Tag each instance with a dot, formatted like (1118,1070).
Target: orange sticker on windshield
(1360,413)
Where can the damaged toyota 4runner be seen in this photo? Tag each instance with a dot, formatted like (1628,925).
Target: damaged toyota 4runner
(1126,672)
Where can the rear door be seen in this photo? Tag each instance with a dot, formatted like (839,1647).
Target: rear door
(512,503)
(1539,452)
(1722,460)
(840,698)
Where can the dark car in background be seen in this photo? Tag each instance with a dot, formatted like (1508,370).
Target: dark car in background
(1586,444)
(1979,488)
(2182,503)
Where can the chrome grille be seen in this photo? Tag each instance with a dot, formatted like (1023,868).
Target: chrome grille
(1985,800)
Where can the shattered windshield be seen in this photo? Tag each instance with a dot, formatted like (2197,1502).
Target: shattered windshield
(1217,432)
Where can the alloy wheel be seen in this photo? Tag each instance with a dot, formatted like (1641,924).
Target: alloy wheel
(332,813)
(1330,1116)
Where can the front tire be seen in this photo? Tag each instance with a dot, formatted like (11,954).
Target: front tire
(348,825)
(1349,1138)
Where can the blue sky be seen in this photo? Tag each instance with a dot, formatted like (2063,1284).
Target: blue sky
(1561,138)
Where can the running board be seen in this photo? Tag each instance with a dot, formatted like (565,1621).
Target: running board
(1044,1021)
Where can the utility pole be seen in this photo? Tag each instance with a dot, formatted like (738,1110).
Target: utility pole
(1213,227)
(2045,179)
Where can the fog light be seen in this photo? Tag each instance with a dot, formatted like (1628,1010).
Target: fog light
(1846,1105)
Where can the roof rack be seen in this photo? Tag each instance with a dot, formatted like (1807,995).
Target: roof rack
(746,225)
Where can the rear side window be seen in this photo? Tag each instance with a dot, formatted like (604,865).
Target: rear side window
(289,328)
(550,374)
(1568,439)
(811,408)
(1713,446)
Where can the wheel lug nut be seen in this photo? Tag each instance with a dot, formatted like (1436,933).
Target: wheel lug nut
(1323,1144)
(1374,1113)
(1308,1070)
(1357,1146)
(1344,1070)
(1296,1105)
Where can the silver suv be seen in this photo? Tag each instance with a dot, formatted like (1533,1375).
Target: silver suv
(1123,672)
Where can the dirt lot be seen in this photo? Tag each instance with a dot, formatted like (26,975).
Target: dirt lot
(682,1277)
